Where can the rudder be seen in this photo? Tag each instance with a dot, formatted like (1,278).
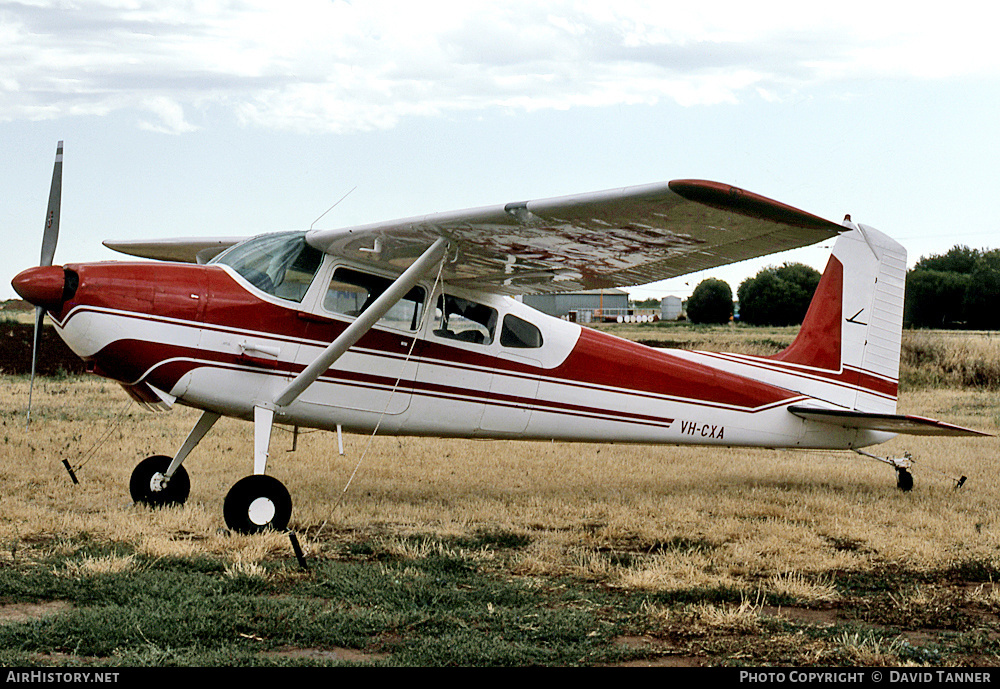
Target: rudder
(855,320)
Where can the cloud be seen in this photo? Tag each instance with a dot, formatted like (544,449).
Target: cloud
(169,117)
(313,65)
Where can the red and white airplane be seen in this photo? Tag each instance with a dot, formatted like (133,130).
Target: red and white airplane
(413,327)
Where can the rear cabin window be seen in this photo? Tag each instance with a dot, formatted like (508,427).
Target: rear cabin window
(519,333)
(351,292)
(464,320)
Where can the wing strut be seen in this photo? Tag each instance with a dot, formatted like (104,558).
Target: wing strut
(264,411)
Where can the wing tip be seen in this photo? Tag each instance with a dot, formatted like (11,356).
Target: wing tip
(730,198)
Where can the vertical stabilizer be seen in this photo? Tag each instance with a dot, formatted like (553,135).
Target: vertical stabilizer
(855,320)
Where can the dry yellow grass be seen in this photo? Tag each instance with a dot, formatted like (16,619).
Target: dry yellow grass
(942,358)
(739,339)
(19,316)
(696,618)
(928,358)
(654,518)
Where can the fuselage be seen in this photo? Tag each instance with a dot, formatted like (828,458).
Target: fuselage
(463,365)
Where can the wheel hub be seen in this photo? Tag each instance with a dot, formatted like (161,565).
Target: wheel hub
(151,485)
(261,511)
(256,503)
(158,482)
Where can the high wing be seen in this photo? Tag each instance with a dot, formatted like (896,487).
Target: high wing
(184,250)
(614,238)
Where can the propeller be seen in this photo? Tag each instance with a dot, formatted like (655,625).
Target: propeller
(50,237)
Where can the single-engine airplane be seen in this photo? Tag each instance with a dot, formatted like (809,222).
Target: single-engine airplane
(411,326)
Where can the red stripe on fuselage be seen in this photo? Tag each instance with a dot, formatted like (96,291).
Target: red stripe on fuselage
(170,363)
(602,359)
(848,377)
(208,297)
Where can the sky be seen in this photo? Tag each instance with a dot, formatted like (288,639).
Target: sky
(234,118)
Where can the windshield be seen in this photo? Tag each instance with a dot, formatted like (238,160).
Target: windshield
(280,264)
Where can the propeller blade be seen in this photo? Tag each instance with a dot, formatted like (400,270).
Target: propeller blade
(39,316)
(51,234)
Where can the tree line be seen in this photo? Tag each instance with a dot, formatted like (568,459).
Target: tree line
(957,289)
(777,295)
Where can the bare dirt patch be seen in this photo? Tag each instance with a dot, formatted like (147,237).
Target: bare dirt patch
(24,612)
(802,615)
(347,655)
(671,655)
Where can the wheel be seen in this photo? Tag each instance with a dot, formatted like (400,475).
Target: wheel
(904,480)
(149,486)
(256,503)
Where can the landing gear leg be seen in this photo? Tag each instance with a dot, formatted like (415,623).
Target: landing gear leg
(904,479)
(258,502)
(160,480)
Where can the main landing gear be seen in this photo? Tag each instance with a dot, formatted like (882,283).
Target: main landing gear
(254,504)
(257,503)
(150,485)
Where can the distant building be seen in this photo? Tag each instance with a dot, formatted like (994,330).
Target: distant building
(671,308)
(591,301)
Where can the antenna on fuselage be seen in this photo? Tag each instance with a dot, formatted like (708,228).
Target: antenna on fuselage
(332,207)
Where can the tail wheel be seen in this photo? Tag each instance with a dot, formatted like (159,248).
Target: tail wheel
(257,503)
(150,485)
(904,480)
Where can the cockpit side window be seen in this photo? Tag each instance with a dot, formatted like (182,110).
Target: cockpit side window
(351,292)
(519,333)
(282,265)
(464,320)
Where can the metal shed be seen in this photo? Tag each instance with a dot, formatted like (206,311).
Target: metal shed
(561,305)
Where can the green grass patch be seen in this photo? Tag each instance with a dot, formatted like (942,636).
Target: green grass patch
(424,601)
(438,609)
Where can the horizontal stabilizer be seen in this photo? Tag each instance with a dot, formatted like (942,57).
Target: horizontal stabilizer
(889,423)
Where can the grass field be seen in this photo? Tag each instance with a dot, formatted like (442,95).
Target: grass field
(507,553)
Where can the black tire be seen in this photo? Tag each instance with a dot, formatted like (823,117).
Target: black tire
(904,480)
(257,503)
(146,486)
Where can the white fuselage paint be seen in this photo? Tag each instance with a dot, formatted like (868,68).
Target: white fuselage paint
(433,395)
